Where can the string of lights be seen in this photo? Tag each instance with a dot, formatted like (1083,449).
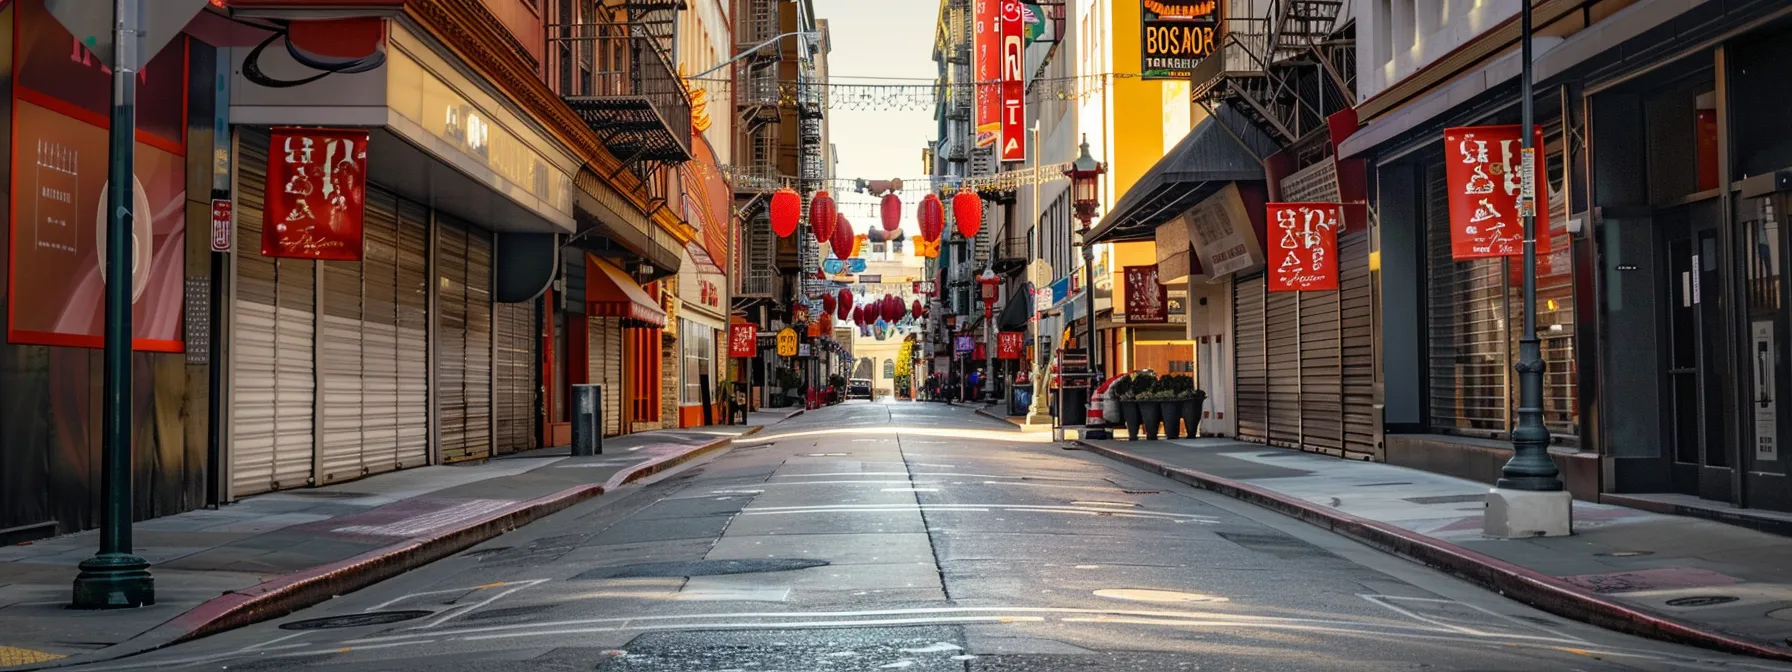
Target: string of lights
(834,94)
(750,180)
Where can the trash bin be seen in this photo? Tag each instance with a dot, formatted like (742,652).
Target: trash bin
(1073,409)
(587,420)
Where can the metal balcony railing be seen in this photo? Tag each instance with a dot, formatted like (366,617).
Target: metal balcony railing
(626,89)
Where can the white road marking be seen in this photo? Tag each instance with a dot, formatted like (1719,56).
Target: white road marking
(463,609)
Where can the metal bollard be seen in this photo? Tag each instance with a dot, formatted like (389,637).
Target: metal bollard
(587,420)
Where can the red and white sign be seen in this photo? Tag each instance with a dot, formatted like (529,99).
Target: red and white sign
(1147,300)
(986,69)
(923,287)
(221,225)
(743,340)
(1482,168)
(1303,253)
(316,189)
(1014,85)
(1009,344)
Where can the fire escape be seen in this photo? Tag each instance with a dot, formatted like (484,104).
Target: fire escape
(619,77)
(757,114)
(1284,72)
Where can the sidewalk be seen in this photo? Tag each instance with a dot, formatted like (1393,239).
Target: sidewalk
(1675,578)
(268,555)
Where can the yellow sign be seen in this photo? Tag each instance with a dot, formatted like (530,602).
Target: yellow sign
(787,343)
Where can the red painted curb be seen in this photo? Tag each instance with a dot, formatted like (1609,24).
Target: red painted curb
(1524,585)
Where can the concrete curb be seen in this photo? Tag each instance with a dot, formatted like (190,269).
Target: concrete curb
(1524,585)
(298,590)
(1011,422)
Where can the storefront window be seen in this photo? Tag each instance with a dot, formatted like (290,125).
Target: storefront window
(1476,319)
(699,359)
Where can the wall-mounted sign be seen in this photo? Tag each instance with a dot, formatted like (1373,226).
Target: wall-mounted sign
(743,340)
(1482,170)
(1014,85)
(1220,228)
(222,229)
(1304,244)
(986,69)
(316,185)
(787,342)
(1009,344)
(1175,35)
(1147,300)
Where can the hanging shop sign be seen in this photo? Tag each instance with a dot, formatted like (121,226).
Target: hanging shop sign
(1487,192)
(1014,85)
(743,340)
(1175,35)
(56,247)
(787,342)
(1009,344)
(986,69)
(1147,300)
(1220,228)
(1304,255)
(222,229)
(317,183)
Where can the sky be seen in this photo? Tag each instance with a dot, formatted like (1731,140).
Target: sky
(871,40)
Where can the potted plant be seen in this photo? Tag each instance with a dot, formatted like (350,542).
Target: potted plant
(1146,391)
(1175,389)
(1122,390)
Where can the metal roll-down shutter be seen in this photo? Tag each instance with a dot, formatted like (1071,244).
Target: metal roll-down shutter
(1250,391)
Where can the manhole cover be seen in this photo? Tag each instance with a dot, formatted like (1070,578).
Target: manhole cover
(1626,554)
(698,568)
(355,620)
(1702,600)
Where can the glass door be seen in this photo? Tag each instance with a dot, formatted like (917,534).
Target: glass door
(1700,449)
(1766,359)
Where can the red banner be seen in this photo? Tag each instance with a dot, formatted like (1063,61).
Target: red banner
(1482,170)
(1009,344)
(743,340)
(1014,85)
(316,186)
(1304,254)
(1147,300)
(986,69)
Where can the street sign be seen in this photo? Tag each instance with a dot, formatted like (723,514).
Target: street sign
(221,228)
(787,343)
(90,22)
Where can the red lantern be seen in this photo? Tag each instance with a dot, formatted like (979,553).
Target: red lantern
(786,210)
(932,216)
(842,238)
(915,310)
(858,316)
(892,308)
(968,208)
(821,216)
(845,303)
(827,303)
(892,212)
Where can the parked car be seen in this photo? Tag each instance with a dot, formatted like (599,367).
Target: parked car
(859,388)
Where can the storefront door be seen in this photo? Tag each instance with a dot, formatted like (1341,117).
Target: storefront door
(1700,450)
(1766,355)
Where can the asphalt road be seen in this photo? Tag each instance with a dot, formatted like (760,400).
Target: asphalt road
(903,536)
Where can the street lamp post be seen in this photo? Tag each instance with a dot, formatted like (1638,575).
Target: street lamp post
(1528,499)
(992,290)
(114,577)
(1085,193)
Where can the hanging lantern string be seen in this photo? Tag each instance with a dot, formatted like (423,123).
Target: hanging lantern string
(835,94)
(750,180)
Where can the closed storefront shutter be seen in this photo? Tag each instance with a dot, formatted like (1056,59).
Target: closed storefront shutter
(1358,348)
(464,368)
(339,366)
(272,374)
(605,368)
(1252,393)
(1282,355)
(359,351)
(1321,400)
(412,320)
(515,367)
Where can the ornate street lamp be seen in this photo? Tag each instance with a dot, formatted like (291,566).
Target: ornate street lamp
(991,285)
(1085,194)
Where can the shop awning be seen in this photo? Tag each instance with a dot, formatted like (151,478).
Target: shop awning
(1208,158)
(611,293)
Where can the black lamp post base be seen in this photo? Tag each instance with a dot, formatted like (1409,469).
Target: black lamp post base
(114,581)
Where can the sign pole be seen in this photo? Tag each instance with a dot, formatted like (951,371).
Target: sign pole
(114,578)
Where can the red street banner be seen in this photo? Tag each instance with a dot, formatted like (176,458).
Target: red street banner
(1305,251)
(316,185)
(1014,85)
(1009,344)
(743,340)
(986,69)
(1147,300)
(1482,170)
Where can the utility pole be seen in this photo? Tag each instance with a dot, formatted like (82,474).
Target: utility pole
(1529,500)
(114,578)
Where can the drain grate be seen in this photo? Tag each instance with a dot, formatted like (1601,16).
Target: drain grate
(1702,600)
(355,620)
